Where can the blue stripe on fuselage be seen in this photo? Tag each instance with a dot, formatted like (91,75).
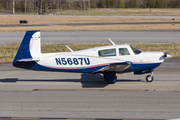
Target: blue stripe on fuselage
(144,66)
(82,70)
(134,67)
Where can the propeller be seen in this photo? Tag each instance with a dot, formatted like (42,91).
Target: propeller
(167,55)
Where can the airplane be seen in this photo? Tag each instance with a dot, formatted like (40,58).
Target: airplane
(106,60)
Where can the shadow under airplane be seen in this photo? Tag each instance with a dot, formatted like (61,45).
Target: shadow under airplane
(87,81)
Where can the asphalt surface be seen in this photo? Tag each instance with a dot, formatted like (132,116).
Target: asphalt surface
(83,24)
(95,37)
(25,93)
(24,25)
(90,104)
(34,94)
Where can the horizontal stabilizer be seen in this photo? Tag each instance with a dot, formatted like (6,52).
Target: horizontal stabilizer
(28,60)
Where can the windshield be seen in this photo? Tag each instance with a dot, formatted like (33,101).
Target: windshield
(135,50)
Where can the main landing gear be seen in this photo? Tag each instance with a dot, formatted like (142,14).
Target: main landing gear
(110,77)
(150,78)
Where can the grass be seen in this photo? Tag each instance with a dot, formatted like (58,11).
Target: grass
(137,12)
(8,52)
(143,27)
(122,12)
(56,20)
(53,22)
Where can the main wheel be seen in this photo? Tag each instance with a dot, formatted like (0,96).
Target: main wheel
(110,82)
(149,78)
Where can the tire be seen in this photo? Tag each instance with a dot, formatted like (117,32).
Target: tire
(109,82)
(149,78)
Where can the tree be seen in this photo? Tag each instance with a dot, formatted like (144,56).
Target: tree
(133,3)
(171,4)
(20,6)
(1,6)
(93,5)
(121,3)
(152,3)
(177,2)
(102,4)
(145,4)
(109,3)
(160,4)
(115,3)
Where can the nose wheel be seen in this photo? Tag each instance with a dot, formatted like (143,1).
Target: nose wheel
(150,78)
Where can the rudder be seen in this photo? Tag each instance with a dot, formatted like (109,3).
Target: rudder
(29,50)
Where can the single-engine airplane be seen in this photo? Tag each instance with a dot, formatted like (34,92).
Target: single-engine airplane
(107,60)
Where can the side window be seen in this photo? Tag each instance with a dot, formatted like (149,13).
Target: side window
(123,51)
(107,52)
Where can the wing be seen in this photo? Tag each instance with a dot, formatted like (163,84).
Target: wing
(117,67)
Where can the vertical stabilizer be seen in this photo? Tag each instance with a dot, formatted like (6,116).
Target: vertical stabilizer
(35,45)
(29,50)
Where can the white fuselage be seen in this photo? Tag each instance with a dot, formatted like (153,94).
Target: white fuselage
(89,60)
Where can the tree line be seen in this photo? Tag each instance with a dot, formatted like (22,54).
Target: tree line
(36,5)
(135,3)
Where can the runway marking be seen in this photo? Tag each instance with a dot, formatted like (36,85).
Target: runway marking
(9,118)
(91,89)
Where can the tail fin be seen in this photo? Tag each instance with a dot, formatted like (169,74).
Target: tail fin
(29,50)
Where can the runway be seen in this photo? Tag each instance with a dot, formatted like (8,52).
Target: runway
(82,24)
(28,80)
(90,104)
(34,94)
(25,93)
(167,78)
(96,37)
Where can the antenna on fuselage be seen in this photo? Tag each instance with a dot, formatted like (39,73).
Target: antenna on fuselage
(69,48)
(111,41)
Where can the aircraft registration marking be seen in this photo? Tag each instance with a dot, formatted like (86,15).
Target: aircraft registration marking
(72,61)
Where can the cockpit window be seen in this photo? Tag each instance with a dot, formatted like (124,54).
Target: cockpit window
(135,50)
(107,52)
(123,51)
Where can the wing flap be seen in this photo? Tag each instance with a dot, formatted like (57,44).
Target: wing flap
(117,67)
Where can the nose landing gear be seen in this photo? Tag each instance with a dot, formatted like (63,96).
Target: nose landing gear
(150,78)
